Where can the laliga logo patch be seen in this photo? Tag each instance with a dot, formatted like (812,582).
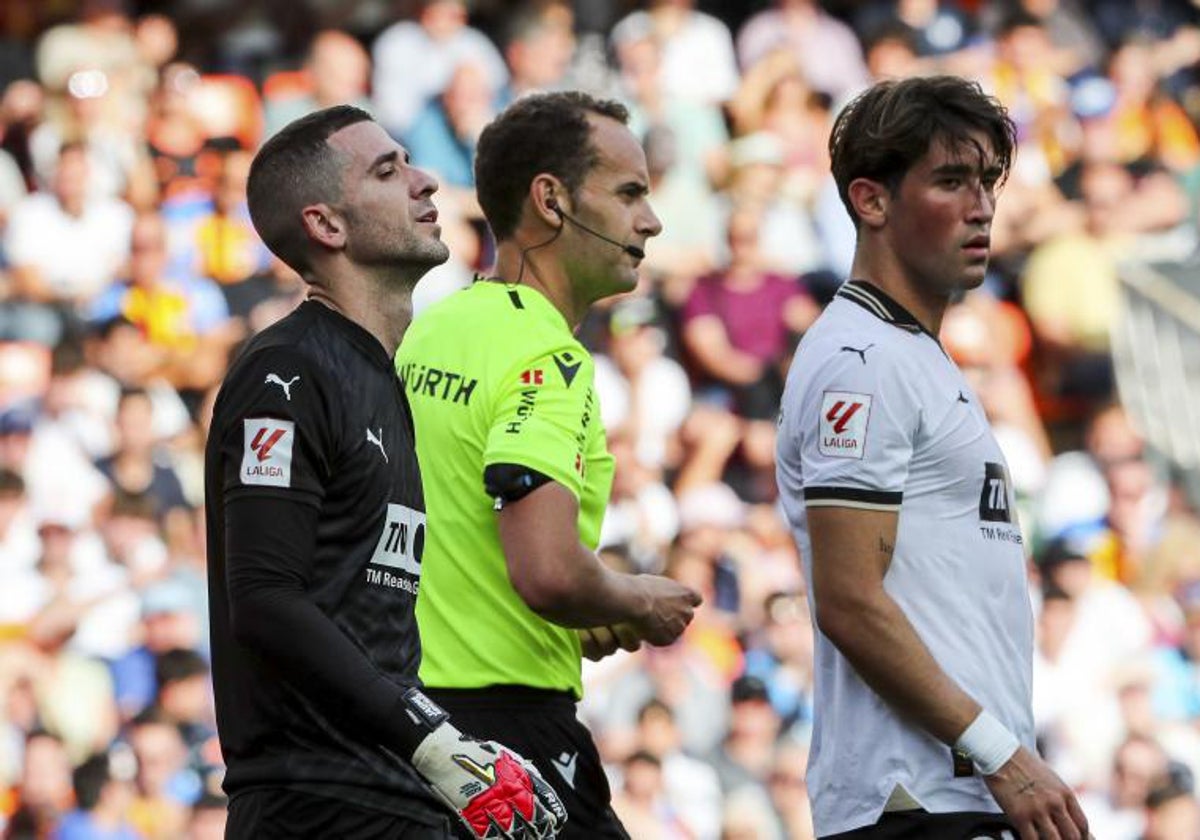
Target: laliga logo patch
(843,427)
(267,451)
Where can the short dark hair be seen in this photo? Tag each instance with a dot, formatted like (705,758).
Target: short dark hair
(295,168)
(89,779)
(890,126)
(178,664)
(543,132)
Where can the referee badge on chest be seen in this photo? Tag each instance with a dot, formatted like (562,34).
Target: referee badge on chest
(843,426)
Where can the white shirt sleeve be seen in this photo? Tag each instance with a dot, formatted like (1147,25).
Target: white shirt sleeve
(850,422)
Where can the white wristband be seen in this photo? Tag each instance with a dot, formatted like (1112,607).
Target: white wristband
(988,743)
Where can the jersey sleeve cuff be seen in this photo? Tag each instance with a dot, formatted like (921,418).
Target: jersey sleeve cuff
(852,497)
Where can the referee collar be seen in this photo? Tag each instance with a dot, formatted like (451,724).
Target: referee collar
(873,299)
(356,334)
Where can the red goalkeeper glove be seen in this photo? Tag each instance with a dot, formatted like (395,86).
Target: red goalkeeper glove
(495,792)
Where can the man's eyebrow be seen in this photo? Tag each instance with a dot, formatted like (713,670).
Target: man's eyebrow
(955,169)
(961,170)
(386,157)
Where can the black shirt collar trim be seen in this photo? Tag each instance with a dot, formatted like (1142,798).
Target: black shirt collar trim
(874,300)
(355,333)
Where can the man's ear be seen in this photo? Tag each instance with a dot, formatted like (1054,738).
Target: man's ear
(870,200)
(548,199)
(323,225)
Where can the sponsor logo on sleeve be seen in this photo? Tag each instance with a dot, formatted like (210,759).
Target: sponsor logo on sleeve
(843,426)
(267,453)
(533,377)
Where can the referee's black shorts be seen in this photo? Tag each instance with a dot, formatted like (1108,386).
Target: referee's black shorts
(922,825)
(541,725)
(282,814)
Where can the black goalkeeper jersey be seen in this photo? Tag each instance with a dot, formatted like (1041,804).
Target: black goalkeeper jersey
(316,526)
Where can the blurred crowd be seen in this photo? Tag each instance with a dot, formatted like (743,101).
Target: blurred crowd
(129,274)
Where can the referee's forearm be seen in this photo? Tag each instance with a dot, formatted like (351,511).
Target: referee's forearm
(587,594)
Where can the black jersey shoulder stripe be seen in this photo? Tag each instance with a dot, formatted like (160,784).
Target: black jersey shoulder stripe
(852,497)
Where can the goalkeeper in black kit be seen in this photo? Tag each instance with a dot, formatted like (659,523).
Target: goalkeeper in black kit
(316,525)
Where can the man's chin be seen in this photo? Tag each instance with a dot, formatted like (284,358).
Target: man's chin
(433,253)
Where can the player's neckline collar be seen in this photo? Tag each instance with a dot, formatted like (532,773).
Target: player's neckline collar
(873,299)
(356,333)
(520,294)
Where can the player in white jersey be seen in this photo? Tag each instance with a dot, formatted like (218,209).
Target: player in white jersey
(899,499)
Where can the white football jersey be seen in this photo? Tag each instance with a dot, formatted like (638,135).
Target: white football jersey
(876,416)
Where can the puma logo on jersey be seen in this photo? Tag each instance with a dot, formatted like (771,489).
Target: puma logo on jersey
(377,440)
(862,354)
(565,765)
(273,379)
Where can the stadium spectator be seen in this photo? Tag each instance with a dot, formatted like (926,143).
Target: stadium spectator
(788,242)
(444,132)
(184,319)
(1023,77)
(1080,267)
(1172,809)
(182,677)
(208,817)
(137,464)
(226,248)
(337,71)
(780,655)
(539,46)
(103,793)
(737,326)
(414,60)
(691,787)
(170,620)
(642,804)
(1076,650)
(1139,766)
(52,281)
(789,792)
(1078,45)
(698,62)
(165,785)
(698,128)
(42,794)
(743,761)
(644,393)
(829,54)
(1149,123)
(935,28)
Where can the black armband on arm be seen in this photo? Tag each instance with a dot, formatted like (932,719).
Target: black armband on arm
(509,482)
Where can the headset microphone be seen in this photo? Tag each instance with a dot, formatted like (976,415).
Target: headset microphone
(632,250)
